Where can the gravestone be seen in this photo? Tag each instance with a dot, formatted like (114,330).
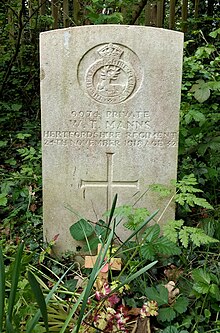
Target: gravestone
(110,98)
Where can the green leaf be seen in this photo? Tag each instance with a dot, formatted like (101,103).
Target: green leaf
(199,237)
(159,294)
(215,291)
(171,228)
(11,161)
(201,288)
(3,199)
(202,202)
(163,190)
(2,288)
(134,216)
(164,246)
(207,313)
(39,298)
(215,33)
(166,314)
(151,233)
(215,307)
(92,244)
(14,283)
(199,117)
(181,304)
(204,52)
(147,251)
(3,143)
(22,136)
(184,237)
(16,107)
(101,229)
(139,228)
(81,230)
(202,94)
(200,275)
(71,284)
(9,326)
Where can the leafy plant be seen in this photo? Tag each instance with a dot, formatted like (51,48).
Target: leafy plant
(175,231)
(186,193)
(199,135)
(154,245)
(170,310)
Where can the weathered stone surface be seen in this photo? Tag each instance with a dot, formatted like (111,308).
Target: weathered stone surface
(110,112)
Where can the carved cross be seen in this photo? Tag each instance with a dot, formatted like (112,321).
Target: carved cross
(109,183)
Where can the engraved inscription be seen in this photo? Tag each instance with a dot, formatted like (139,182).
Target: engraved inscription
(109,183)
(110,139)
(112,128)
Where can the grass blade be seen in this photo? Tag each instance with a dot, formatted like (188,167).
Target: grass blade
(31,324)
(39,298)
(2,289)
(111,215)
(86,292)
(9,327)
(14,282)
(137,274)
(95,271)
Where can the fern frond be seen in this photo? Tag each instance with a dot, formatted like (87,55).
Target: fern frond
(171,229)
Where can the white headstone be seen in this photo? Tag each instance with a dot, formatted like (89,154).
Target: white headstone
(110,98)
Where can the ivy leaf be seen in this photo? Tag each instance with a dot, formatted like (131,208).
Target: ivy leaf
(81,229)
(181,304)
(166,314)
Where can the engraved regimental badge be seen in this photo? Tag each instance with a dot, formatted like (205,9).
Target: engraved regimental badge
(110,79)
